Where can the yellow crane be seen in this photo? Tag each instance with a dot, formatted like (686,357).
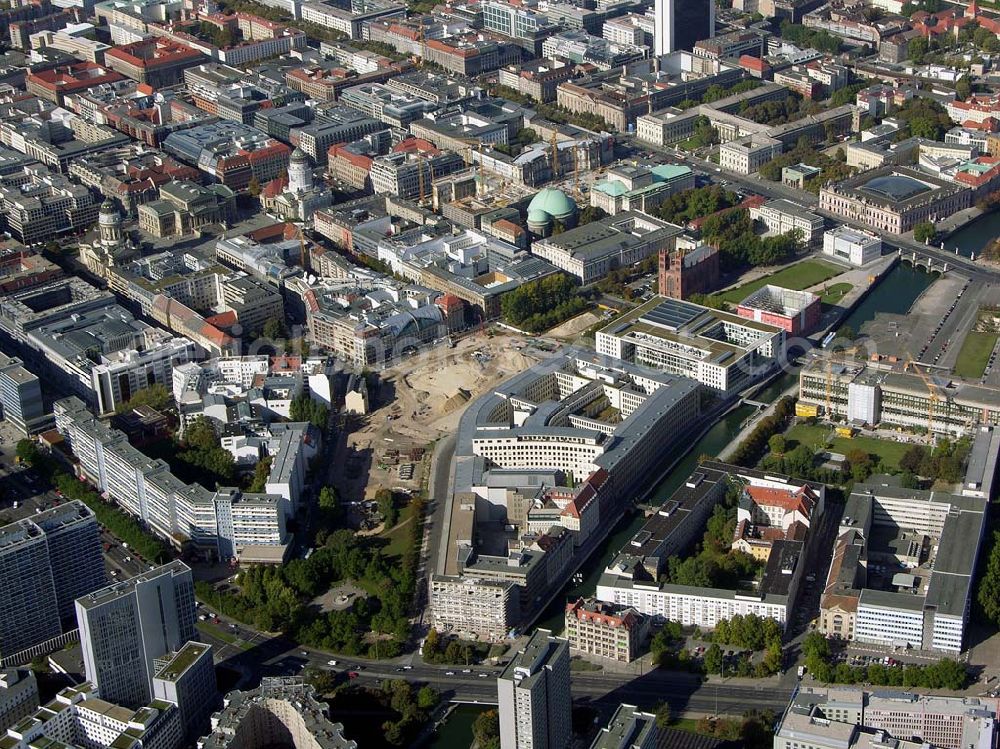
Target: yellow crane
(931,391)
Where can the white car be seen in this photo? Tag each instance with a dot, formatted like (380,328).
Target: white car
(331,662)
(449,673)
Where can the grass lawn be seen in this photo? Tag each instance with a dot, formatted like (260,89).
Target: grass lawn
(835,293)
(975,353)
(686,724)
(799,276)
(817,437)
(399,534)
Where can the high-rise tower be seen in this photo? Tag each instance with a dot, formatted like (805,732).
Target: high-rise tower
(680,23)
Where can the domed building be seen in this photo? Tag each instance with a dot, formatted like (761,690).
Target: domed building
(111,247)
(295,197)
(549,206)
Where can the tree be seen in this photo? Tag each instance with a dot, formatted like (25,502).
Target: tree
(27,451)
(916,49)
(274,328)
(663,715)
(988,594)
(590,214)
(156,396)
(427,698)
(924,231)
(860,463)
(253,187)
(387,507)
(913,459)
(713,659)
(261,472)
(777,444)
(963,87)
(486,730)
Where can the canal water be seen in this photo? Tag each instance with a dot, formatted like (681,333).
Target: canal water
(896,293)
(456,732)
(975,236)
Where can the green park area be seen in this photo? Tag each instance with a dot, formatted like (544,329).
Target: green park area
(820,437)
(799,276)
(833,294)
(975,353)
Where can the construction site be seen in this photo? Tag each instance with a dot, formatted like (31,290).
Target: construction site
(420,400)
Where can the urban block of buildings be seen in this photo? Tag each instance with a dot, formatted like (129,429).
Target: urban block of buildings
(722,351)
(278,707)
(223,524)
(903,567)
(774,517)
(854,718)
(550,454)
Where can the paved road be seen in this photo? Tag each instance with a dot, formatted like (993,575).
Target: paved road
(685,692)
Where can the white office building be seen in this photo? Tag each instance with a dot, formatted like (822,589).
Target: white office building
(854,246)
(126,627)
(722,351)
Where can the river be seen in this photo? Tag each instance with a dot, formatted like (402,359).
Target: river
(975,236)
(896,293)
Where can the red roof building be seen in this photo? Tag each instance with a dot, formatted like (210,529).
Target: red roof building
(54,84)
(157,62)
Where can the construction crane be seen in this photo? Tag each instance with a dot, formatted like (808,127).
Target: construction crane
(931,390)
(576,174)
(302,249)
(420,179)
(554,143)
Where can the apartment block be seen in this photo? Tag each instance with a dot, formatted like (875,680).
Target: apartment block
(76,718)
(219,524)
(534,695)
(468,606)
(18,696)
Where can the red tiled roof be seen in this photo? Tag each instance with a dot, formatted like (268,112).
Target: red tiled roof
(800,498)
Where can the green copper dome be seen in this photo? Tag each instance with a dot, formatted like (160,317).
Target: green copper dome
(553,202)
(538,217)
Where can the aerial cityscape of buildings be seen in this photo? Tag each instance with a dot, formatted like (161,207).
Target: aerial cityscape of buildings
(541,373)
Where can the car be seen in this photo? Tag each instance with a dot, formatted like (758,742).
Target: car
(449,673)
(483,675)
(304,653)
(331,662)
(407,668)
(358,667)
(466,670)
